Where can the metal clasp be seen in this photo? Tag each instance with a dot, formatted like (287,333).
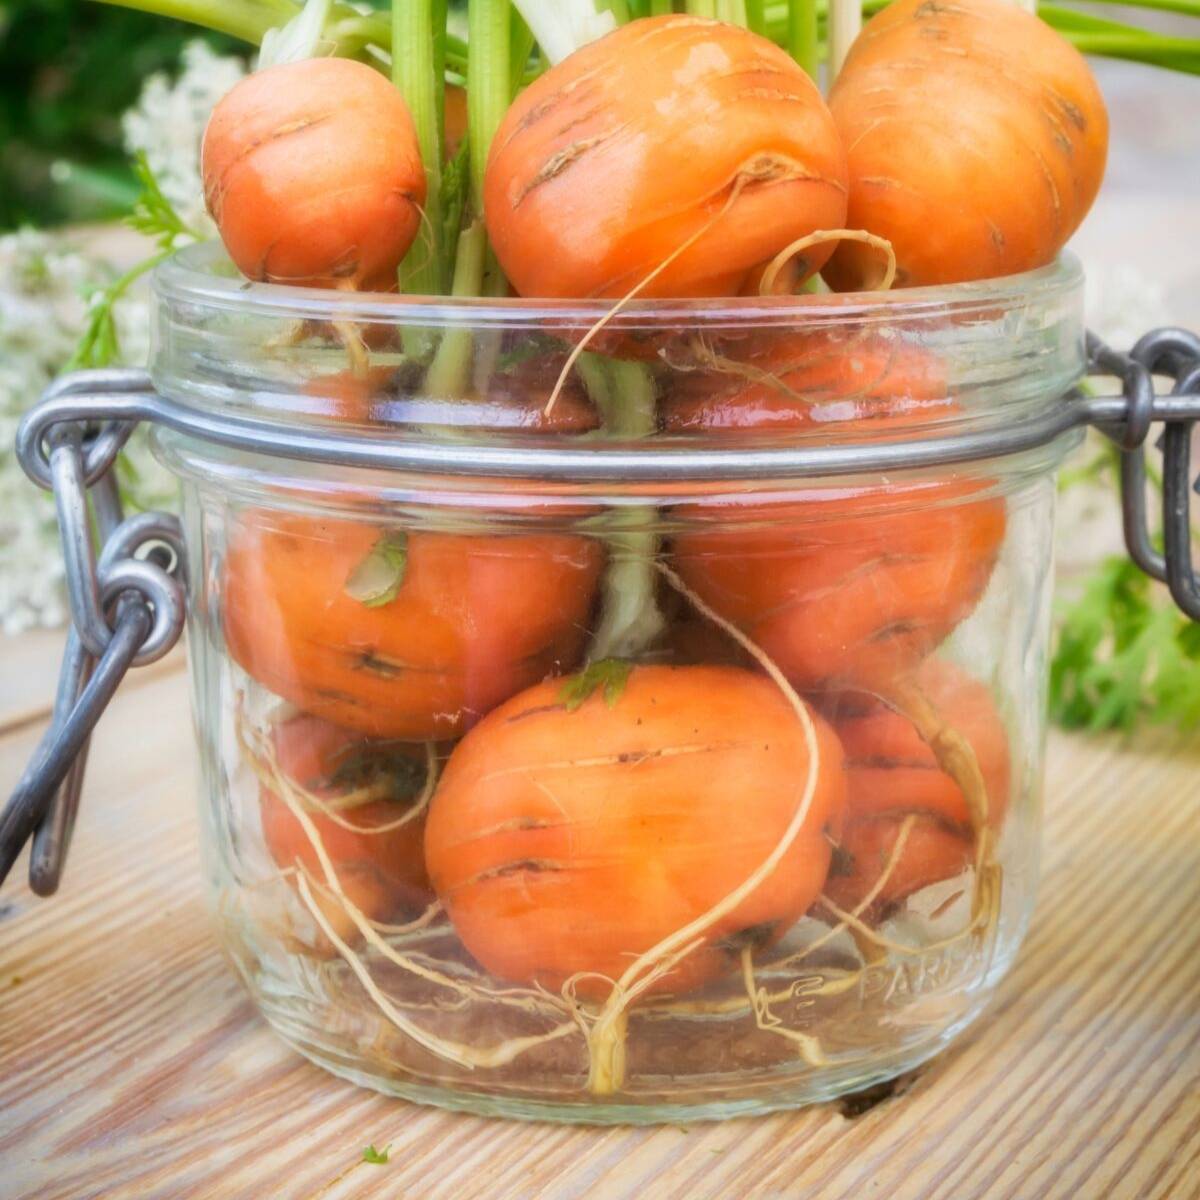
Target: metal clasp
(124,583)
(1176,354)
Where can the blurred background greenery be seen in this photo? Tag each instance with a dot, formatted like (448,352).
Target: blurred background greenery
(68,70)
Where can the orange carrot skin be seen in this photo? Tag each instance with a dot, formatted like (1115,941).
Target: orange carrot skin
(976,139)
(474,620)
(565,841)
(891,769)
(383,874)
(852,591)
(614,158)
(313,175)
(892,773)
(850,381)
(932,853)
(853,587)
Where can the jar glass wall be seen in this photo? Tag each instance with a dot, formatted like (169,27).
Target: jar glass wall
(546,794)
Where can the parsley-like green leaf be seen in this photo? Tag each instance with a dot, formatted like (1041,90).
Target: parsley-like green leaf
(153,214)
(1124,654)
(610,674)
(377,579)
(379,1157)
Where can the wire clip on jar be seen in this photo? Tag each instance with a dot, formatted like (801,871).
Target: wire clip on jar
(127,597)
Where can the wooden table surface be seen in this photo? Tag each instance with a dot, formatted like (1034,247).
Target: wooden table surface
(132,1064)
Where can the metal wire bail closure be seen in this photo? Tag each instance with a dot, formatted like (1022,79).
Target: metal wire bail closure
(127,609)
(127,601)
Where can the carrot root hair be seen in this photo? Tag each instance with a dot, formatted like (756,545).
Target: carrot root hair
(590,336)
(769,284)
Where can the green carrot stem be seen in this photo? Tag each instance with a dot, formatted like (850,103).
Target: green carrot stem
(732,11)
(449,373)
(414,73)
(249,20)
(489,82)
(1189,8)
(521,43)
(702,8)
(98,345)
(802,39)
(246,20)
(756,15)
(630,619)
(489,92)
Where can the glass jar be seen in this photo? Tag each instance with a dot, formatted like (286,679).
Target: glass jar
(587,764)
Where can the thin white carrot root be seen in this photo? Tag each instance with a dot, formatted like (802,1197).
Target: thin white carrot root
(525,998)
(455,1052)
(809,1047)
(609,1026)
(422,922)
(865,903)
(590,336)
(955,755)
(768,283)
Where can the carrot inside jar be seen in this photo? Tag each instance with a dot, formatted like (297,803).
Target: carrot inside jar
(568,841)
(908,822)
(401,634)
(333,801)
(848,586)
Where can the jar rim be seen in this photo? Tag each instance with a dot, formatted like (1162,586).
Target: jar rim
(338,377)
(202,274)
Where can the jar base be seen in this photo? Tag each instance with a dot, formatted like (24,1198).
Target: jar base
(816,1086)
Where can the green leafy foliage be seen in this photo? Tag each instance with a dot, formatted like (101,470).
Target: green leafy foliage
(1124,654)
(68,70)
(609,674)
(154,216)
(377,580)
(378,1157)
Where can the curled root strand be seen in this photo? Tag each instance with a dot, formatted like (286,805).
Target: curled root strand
(770,278)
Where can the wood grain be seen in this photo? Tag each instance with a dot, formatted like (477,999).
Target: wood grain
(131,1064)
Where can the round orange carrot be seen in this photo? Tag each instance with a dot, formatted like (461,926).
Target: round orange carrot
(892,772)
(414,635)
(931,853)
(568,838)
(976,138)
(851,382)
(669,129)
(842,587)
(341,779)
(313,175)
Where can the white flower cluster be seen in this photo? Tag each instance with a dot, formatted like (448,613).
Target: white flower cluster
(168,123)
(44,282)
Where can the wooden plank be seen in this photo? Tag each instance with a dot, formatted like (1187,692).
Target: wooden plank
(132,1065)
(29,675)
